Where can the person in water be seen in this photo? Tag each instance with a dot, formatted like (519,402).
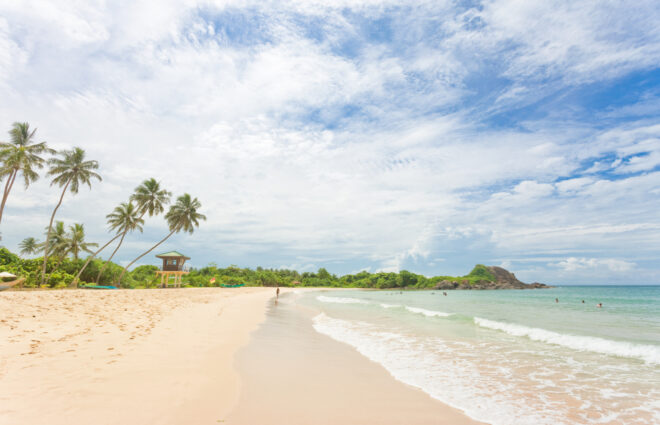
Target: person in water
(582,301)
(444,293)
(556,300)
(599,305)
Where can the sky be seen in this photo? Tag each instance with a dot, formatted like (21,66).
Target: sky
(354,134)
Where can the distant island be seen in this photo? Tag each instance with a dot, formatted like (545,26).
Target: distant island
(98,271)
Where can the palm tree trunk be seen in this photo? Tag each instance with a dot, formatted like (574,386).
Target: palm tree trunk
(5,195)
(115,251)
(50,228)
(152,248)
(91,257)
(98,277)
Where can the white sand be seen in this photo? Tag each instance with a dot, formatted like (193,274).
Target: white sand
(123,357)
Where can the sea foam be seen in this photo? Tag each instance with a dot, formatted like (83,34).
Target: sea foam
(341,300)
(419,362)
(427,313)
(647,353)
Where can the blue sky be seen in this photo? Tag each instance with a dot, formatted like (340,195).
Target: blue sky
(378,135)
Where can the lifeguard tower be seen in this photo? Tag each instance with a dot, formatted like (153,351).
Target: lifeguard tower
(172,267)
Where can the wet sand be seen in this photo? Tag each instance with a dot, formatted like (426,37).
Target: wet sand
(292,375)
(188,356)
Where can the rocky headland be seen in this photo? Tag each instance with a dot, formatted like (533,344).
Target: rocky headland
(492,277)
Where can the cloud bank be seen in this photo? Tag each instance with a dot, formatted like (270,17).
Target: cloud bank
(354,135)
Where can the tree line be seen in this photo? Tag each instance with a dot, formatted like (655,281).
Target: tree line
(23,156)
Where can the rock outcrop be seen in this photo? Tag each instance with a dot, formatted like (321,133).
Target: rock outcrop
(502,279)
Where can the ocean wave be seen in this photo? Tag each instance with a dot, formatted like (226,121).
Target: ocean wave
(341,300)
(647,353)
(427,313)
(419,362)
(384,305)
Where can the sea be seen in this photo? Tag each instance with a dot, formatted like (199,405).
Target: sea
(507,357)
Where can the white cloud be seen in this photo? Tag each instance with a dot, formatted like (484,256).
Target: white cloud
(339,148)
(572,264)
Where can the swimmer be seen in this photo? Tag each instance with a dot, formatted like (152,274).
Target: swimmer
(599,305)
(556,300)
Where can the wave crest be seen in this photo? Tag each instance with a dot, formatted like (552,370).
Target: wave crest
(428,313)
(648,353)
(340,300)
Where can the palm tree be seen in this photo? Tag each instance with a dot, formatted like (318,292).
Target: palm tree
(20,155)
(70,172)
(58,245)
(182,215)
(123,219)
(29,246)
(74,242)
(150,198)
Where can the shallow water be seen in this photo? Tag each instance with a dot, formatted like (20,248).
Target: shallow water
(512,357)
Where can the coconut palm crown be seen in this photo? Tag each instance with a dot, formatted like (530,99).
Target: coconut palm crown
(75,241)
(29,246)
(22,154)
(183,214)
(72,170)
(124,218)
(150,198)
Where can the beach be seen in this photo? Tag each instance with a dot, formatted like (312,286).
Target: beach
(130,357)
(193,355)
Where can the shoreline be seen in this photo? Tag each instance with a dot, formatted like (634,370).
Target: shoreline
(293,375)
(194,355)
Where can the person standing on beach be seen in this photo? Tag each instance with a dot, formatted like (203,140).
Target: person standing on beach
(277,293)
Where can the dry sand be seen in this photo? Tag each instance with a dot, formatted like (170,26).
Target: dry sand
(170,357)
(123,357)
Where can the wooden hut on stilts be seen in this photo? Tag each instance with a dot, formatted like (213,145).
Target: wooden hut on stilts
(172,267)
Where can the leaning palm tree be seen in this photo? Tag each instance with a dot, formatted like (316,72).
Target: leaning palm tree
(70,172)
(29,246)
(21,155)
(149,198)
(182,215)
(123,219)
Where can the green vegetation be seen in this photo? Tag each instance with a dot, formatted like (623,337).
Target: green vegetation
(62,273)
(61,265)
(69,171)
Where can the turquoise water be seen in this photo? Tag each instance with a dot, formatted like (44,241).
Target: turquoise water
(512,357)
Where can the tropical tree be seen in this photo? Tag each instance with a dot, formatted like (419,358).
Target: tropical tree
(149,198)
(74,241)
(29,246)
(58,245)
(69,173)
(20,155)
(182,215)
(123,219)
